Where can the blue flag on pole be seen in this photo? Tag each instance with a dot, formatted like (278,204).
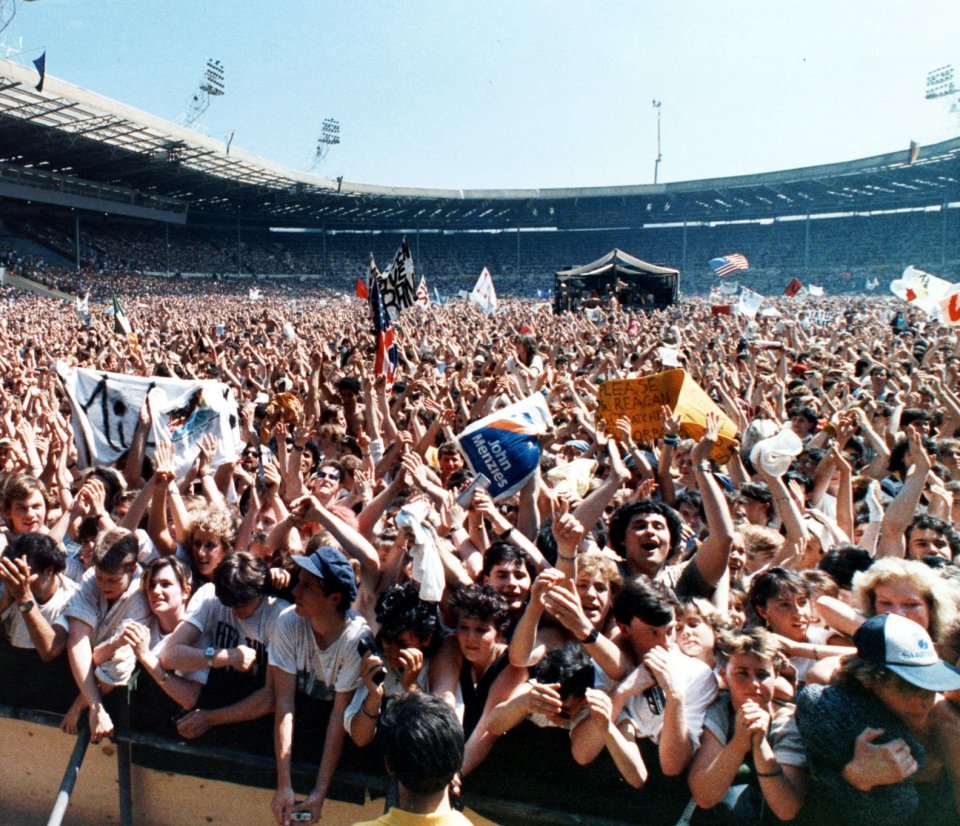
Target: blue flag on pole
(41,64)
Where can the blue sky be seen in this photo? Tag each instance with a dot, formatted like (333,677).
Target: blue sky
(528,93)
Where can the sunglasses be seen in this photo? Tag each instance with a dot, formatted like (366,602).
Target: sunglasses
(323,474)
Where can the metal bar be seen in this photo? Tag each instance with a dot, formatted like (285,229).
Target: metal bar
(125,783)
(69,778)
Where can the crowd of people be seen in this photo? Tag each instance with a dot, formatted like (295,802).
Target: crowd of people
(761,634)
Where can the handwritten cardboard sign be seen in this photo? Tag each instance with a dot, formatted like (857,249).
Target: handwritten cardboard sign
(640,400)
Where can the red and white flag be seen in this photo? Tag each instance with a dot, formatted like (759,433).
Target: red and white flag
(423,295)
(483,293)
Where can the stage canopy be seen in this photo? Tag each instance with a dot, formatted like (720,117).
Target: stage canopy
(634,282)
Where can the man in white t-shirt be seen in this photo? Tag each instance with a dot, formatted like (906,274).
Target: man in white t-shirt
(34,591)
(314,649)
(226,631)
(666,697)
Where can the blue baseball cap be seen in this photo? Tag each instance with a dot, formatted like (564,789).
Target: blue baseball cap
(903,647)
(333,568)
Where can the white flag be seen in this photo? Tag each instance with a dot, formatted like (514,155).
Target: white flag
(106,407)
(949,307)
(749,303)
(873,283)
(396,284)
(483,294)
(254,294)
(921,289)
(423,294)
(729,287)
(816,292)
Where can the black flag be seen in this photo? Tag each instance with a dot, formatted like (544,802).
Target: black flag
(41,64)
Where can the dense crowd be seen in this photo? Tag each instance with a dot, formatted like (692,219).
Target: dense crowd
(774,633)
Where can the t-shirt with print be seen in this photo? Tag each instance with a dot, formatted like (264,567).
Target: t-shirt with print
(320,673)
(219,628)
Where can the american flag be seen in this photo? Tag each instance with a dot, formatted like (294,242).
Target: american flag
(729,263)
(386,359)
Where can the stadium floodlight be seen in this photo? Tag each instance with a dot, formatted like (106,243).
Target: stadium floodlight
(656,164)
(940,83)
(329,136)
(212,85)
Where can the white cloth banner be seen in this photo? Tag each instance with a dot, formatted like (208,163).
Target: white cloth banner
(729,287)
(483,295)
(921,289)
(749,303)
(106,408)
(816,292)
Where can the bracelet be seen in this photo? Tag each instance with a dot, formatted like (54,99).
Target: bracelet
(775,773)
(164,676)
(591,638)
(506,533)
(371,716)
(671,439)
(566,558)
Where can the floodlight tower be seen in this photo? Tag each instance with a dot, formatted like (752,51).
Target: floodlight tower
(656,164)
(211,86)
(329,136)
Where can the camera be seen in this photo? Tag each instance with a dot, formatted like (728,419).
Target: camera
(367,645)
(301,817)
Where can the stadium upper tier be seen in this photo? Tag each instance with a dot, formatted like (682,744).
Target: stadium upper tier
(71,147)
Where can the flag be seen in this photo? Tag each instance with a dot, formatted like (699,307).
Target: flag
(505,446)
(722,309)
(729,287)
(41,64)
(362,292)
(921,289)
(873,283)
(423,295)
(483,294)
(729,263)
(949,306)
(816,292)
(387,357)
(121,324)
(106,408)
(373,274)
(397,287)
(83,309)
(436,295)
(749,303)
(793,287)
(254,294)
(914,152)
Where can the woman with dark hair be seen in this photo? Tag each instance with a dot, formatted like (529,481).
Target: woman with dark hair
(165,583)
(472,670)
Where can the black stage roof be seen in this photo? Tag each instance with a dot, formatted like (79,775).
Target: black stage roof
(71,147)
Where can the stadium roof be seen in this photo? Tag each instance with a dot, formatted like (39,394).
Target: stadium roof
(66,138)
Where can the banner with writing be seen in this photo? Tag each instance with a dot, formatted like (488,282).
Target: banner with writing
(505,446)
(640,400)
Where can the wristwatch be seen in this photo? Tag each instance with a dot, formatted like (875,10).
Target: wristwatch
(210,653)
(27,607)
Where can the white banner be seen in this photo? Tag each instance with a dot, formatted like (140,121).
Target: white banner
(749,303)
(106,408)
(483,294)
(397,284)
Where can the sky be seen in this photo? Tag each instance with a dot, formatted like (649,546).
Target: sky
(518,93)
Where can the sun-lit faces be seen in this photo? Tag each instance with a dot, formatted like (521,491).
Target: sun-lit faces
(903,598)
(749,677)
(646,543)
(27,515)
(787,614)
(478,640)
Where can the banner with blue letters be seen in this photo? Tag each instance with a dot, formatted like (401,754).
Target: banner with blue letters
(505,446)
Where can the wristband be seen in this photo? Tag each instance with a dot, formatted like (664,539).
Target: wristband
(775,773)
(566,558)
(671,439)
(591,638)
(371,716)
